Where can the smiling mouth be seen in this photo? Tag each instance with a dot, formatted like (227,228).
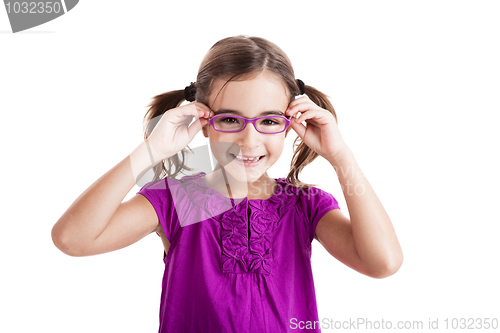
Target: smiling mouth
(247,159)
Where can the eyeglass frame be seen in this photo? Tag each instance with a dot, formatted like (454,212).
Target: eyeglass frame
(246,121)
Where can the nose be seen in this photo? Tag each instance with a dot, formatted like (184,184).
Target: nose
(249,138)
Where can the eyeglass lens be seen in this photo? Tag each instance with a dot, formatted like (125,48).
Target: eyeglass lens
(266,125)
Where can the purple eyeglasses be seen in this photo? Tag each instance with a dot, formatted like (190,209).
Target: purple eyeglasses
(266,125)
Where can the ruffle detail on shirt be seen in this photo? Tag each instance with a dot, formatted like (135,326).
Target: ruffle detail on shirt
(254,254)
(195,201)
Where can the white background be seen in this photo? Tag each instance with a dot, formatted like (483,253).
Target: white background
(415,85)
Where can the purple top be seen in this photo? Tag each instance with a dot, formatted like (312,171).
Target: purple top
(229,271)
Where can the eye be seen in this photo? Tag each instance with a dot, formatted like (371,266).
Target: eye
(270,121)
(228,120)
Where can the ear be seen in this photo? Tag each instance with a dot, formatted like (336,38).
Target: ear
(205,130)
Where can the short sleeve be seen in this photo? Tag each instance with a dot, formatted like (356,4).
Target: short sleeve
(317,203)
(158,194)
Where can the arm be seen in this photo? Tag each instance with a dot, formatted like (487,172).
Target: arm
(98,221)
(367,242)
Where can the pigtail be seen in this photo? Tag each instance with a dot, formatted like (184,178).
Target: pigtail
(172,166)
(303,155)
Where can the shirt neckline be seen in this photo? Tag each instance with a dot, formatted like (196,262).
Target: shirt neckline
(201,180)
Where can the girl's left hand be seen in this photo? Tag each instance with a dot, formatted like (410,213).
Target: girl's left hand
(321,133)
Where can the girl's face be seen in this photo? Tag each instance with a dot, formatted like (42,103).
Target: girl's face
(250,99)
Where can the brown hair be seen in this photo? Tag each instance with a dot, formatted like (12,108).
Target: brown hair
(236,58)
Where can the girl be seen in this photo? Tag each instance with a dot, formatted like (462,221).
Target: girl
(237,242)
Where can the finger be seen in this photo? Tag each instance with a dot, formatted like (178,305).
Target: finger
(195,127)
(300,107)
(196,111)
(316,116)
(299,128)
(298,101)
(296,111)
(206,111)
(304,104)
(202,107)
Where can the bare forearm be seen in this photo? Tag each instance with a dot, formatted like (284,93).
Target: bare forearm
(373,233)
(90,213)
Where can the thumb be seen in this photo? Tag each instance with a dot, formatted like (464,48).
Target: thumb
(298,127)
(195,127)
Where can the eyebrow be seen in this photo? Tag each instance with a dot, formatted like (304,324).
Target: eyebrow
(265,113)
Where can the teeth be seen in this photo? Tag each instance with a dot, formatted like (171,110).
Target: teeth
(255,159)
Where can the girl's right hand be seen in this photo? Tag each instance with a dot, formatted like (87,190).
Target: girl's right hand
(172,133)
